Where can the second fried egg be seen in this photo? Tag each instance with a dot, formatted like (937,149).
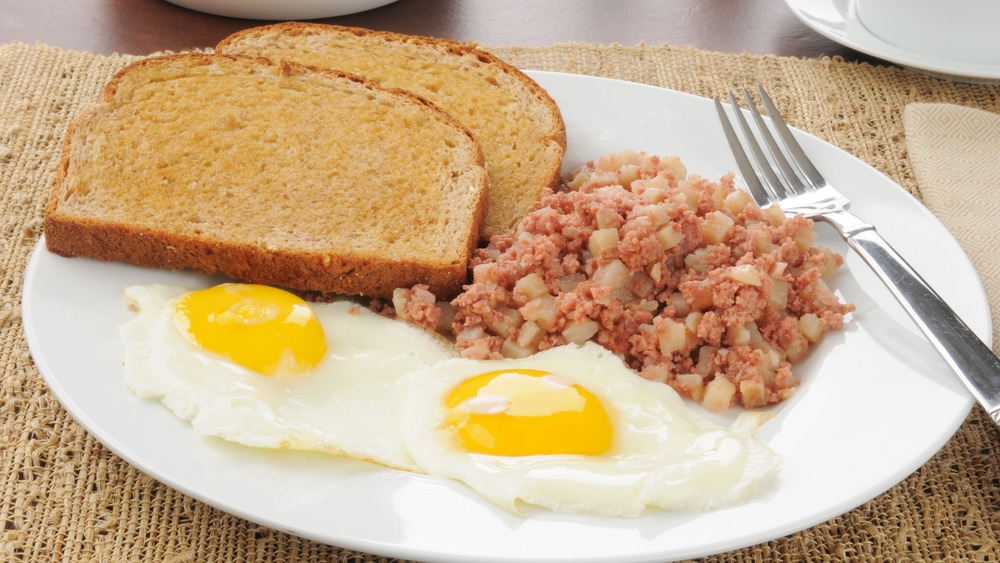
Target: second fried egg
(572,429)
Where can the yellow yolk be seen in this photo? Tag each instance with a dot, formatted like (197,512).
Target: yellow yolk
(266,329)
(527,412)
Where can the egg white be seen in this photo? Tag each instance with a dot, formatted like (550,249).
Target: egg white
(663,454)
(348,405)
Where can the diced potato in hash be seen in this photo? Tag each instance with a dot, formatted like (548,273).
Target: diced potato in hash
(532,286)
(737,335)
(602,240)
(716,227)
(508,319)
(627,175)
(673,337)
(541,310)
(669,236)
(693,384)
(608,218)
(737,201)
(805,238)
(719,394)
(578,333)
(774,215)
(744,273)
(752,394)
(614,274)
(810,327)
(779,295)
(692,320)
(529,334)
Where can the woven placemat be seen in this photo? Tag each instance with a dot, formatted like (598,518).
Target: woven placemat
(66,497)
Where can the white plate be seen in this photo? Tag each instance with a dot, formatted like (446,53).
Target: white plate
(837,20)
(281,9)
(875,402)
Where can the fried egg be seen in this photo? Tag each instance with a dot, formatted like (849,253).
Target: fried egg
(573,430)
(259,366)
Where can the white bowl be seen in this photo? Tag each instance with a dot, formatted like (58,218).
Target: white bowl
(281,9)
(957,30)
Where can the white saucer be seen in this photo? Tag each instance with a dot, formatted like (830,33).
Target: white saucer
(838,21)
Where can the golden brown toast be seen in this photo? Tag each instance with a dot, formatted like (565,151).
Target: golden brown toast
(273,173)
(516,122)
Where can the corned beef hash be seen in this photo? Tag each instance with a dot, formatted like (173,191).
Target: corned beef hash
(687,280)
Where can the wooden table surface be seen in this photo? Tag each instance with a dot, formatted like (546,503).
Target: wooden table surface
(139,27)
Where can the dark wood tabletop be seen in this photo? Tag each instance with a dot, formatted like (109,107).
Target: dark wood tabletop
(140,27)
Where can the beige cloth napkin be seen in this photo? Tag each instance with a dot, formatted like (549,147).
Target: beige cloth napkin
(955,154)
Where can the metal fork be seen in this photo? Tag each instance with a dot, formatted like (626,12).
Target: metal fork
(802,189)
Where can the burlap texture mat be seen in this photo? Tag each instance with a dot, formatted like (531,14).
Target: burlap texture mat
(66,497)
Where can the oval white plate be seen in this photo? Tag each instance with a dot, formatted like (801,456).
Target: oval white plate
(281,9)
(875,402)
(837,20)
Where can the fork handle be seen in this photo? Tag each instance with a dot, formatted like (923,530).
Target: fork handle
(972,360)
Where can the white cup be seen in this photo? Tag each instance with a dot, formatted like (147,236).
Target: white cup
(966,31)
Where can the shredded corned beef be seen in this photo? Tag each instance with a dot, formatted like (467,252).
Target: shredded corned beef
(688,281)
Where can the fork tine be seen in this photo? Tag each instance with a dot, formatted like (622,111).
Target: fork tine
(792,179)
(798,155)
(772,182)
(753,183)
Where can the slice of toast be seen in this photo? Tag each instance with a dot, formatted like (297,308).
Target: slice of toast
(273,173)
(516,122)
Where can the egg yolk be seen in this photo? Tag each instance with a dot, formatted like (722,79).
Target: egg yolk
(524,412)
(266,329)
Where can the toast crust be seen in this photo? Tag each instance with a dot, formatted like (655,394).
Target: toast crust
(333,265)
(314,272)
